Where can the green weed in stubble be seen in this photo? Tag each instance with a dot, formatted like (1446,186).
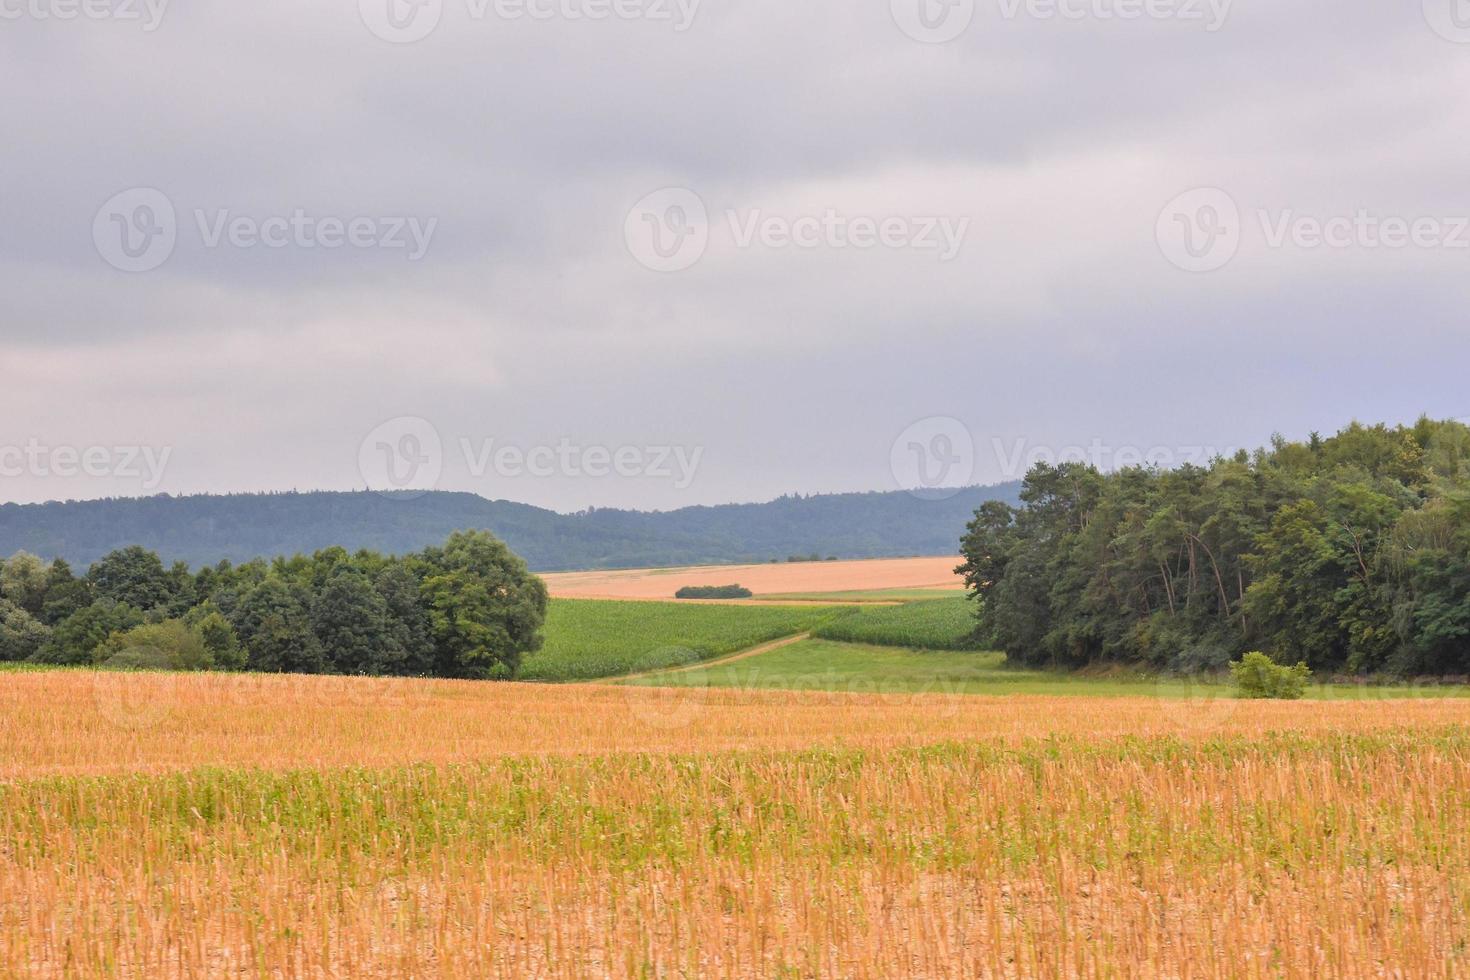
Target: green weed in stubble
(783,855)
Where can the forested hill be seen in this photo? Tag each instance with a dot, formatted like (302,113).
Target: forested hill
(204,529)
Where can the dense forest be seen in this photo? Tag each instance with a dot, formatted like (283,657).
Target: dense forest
(467,609)
(201,530)
(1351,553)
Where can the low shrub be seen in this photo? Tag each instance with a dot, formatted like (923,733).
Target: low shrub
(713,592)
(169,645)
(1258,676)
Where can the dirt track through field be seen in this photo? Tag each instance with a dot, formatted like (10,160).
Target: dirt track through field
(706,664)
(770,579)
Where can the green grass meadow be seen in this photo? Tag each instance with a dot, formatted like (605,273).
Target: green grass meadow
(826,665)
(587,639)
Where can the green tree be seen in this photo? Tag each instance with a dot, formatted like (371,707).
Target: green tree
(274,626)
(134,576)
(1350,549)
(408,618)
(218,636)
(351,620)
(65,593)
(1428,561)
(21,634)
(76,638)
(23,582)
(485,607)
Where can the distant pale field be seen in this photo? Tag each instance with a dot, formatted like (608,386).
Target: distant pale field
(878,597)
(786,578)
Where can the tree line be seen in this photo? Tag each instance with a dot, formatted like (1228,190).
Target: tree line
(467,609)
(1351,553)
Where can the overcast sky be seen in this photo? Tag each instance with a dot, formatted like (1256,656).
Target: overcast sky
(715,251)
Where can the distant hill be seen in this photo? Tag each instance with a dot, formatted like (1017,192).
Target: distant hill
(204,529)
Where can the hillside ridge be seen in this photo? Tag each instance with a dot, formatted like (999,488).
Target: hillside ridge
(206,528)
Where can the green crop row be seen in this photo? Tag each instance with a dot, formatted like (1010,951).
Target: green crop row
(934,624)
(590,638)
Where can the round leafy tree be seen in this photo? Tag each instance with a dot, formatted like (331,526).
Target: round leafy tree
(485,607)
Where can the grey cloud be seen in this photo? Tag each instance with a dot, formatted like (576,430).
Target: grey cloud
(528,319)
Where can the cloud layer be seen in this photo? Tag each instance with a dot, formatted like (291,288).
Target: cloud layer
(288,140)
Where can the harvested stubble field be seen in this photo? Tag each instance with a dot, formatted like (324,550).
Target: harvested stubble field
(189,826)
